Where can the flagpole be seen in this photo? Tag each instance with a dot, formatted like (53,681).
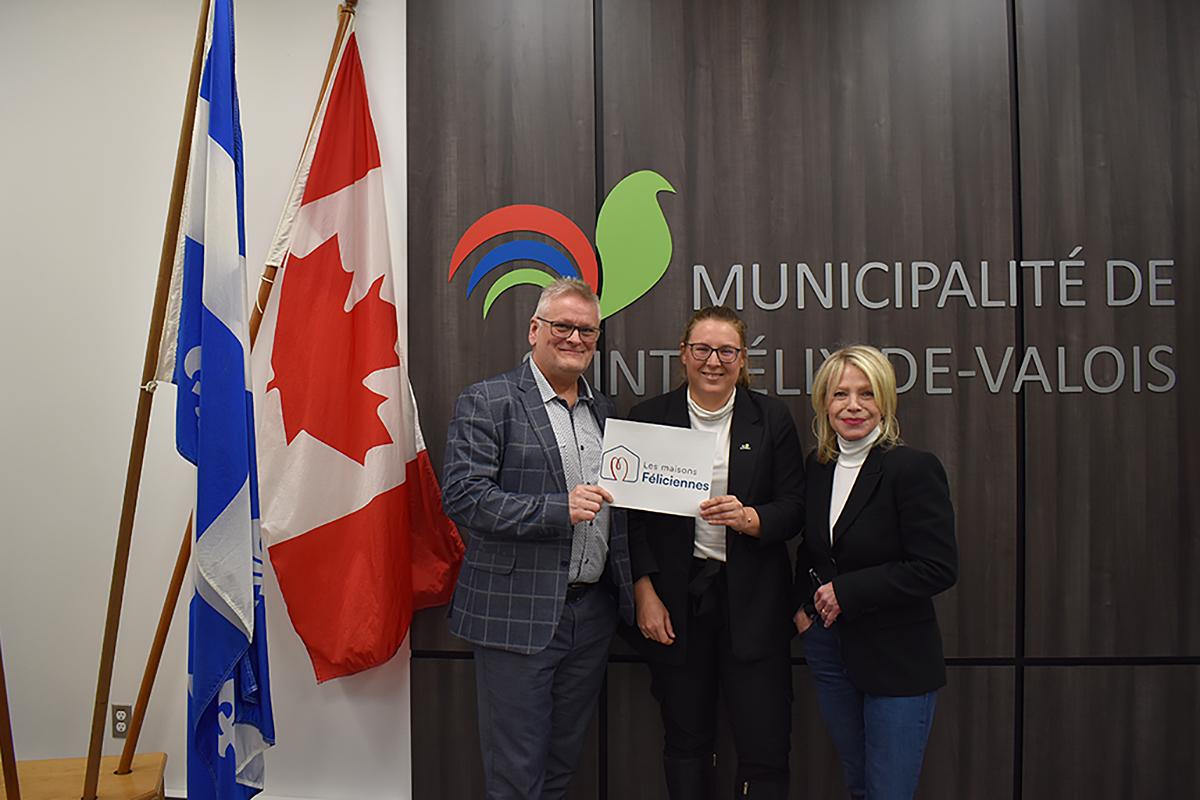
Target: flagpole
(345,12)
(8,758)
(156,651)
(141,426)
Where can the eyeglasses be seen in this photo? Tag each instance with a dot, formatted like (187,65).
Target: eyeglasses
(701,352)
(563,330)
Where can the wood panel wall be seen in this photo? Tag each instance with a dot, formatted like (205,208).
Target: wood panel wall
(860,130)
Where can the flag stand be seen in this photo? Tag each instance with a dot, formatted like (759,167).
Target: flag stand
(128,761)
(59,779)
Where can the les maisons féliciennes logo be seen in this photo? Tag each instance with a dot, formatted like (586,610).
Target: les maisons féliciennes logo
(632,238)
(620,464)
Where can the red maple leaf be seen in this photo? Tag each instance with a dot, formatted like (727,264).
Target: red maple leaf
(322,353)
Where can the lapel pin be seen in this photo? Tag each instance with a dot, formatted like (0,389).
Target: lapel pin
(745,446)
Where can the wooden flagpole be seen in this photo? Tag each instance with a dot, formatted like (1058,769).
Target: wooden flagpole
(137,450)
(156,650)
(8,758)
(267,280)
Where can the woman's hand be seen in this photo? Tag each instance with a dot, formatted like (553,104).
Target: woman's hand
(727,510)
(803,621)
(827,604)
(653,620)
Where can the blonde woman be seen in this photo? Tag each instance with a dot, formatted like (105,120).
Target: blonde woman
(878,545)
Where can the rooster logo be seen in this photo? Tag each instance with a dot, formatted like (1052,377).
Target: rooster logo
(632,237)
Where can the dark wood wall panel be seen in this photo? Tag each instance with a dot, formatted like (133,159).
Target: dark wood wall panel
(1112,733)
(500,111)
(445,744)
(832,131)
(970,749)
(1110,144)
(635,741)
(819,130)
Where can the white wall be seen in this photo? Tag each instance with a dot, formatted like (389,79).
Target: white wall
(92,95)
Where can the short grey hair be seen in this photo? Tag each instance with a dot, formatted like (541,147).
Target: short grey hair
(563,286)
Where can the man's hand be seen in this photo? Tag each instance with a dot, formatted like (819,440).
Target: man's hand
(585,501)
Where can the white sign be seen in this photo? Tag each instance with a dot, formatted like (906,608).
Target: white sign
(657,467)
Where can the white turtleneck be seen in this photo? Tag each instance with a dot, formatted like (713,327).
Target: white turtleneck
(710,539)
(851,457)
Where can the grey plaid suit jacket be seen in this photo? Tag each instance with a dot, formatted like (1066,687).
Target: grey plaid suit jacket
(503,485)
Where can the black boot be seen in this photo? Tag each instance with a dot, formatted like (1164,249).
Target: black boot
(687,778)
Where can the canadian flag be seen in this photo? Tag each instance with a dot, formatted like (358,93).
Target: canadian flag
(351,512)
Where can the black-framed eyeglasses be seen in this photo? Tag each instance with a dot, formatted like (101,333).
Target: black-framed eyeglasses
(563,330)
(701,352)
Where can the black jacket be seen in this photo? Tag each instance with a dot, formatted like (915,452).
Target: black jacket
(766,471)
(893,549)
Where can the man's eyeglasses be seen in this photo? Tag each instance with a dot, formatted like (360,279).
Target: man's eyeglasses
(701,352)
(563,330)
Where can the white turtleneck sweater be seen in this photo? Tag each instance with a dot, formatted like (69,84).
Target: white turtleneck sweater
(710,539)
(851,457)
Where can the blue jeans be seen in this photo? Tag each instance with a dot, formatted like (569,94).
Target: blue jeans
(880,740)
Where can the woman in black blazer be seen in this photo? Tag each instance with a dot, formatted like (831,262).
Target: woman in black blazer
(878,545)
(713,592)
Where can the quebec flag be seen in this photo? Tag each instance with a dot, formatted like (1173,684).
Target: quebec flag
(205,353)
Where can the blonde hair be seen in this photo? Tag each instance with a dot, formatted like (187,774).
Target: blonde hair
(879,372)
(730,317)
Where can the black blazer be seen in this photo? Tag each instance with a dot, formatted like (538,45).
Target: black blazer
(766,471)
(893,550)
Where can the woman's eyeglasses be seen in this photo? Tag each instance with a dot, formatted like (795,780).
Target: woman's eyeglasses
(701,352)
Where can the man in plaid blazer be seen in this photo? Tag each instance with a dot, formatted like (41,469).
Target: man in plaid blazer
(547,569)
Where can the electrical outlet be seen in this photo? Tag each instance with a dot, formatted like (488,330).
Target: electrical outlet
(121,715)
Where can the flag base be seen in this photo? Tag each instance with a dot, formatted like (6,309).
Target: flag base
(62,779)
